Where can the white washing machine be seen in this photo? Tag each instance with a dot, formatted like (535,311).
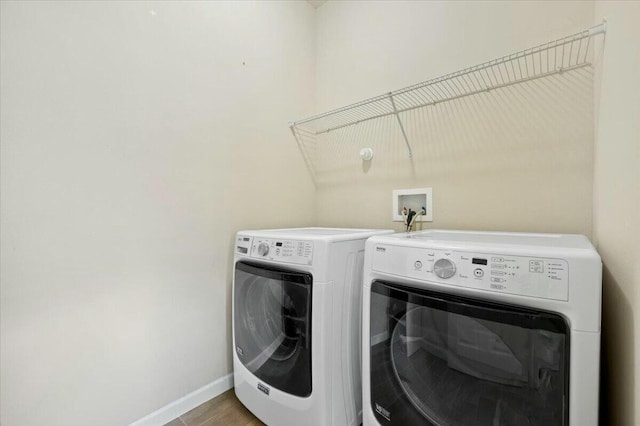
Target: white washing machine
(296,324)
(481,328)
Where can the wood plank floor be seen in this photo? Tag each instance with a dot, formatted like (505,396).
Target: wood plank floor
(224,409)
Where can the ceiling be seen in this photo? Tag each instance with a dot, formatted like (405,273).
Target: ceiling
(317,3)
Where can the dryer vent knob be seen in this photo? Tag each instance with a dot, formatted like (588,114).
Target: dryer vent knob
(263,249)
(444,268)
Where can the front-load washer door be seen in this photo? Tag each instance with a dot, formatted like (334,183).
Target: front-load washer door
(442,360)
(272,325)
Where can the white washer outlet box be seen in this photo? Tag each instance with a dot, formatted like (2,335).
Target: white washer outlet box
(413,199)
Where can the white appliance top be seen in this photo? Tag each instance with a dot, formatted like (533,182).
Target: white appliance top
(517,264)
(317,233)
(297,246)
(550,271)
(502,239)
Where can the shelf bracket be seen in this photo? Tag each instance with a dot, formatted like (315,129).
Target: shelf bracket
(307,161)
(404,134)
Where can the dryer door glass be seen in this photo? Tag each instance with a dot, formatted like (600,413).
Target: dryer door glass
(272,326)
(445,360)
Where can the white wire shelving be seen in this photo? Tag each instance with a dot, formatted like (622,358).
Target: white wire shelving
(562,55)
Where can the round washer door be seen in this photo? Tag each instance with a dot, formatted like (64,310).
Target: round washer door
(272,325)
(439,359)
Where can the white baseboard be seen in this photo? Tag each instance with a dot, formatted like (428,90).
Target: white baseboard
(188,402)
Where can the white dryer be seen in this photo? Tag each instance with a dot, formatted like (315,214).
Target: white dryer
(481,328)
(296,324)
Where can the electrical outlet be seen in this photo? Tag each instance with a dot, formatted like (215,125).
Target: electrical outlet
(413,199)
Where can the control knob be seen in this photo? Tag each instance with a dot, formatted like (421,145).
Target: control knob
(263,249)
(444,268)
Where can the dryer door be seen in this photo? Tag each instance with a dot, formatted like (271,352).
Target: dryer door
(272,325)
(445,360)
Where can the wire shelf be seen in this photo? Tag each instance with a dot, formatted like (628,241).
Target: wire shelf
(555,57)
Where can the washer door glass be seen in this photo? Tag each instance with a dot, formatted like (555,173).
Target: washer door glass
(272,326)
(445,360)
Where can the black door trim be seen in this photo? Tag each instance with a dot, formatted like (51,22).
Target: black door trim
(477,308)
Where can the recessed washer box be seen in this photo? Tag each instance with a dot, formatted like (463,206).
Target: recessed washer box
(413,199)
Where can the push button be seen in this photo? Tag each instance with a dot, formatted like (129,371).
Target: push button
(478,272)
(536,266)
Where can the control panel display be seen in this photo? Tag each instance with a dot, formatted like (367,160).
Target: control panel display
(529,276)
(243,244)
(287,251)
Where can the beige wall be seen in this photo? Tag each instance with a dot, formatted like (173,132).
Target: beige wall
(137,137)
(519,158)
(617,209)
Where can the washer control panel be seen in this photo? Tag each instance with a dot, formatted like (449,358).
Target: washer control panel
(288,251)
(523,275)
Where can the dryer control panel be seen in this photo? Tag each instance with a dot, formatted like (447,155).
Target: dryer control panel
(288,251)
(522,275)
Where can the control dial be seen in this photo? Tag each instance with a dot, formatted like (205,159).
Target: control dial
(263,249)
(444,268)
